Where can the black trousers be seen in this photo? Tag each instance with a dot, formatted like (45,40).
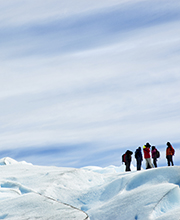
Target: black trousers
(128,166)
(170,160)
(155,161)
(139,162)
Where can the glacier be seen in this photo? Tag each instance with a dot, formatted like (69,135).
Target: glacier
(29,191)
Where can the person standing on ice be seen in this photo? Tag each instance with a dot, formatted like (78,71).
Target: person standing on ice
(139,158)
(147,156)
(128,160)
(154,155)
(169,154)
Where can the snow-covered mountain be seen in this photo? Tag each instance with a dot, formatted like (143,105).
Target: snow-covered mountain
(40,192)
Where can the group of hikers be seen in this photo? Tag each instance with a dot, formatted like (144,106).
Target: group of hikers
(149,152)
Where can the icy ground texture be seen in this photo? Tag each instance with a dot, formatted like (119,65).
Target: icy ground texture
(25,191)
(37,192)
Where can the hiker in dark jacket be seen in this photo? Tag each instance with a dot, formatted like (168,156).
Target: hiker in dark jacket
(169,154)
(154,155)
(139,158)
(128,160)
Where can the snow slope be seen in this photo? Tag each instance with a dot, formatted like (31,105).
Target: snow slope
(38,192)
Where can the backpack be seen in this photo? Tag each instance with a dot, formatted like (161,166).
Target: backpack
(172,150)
(123,158)
(157,153)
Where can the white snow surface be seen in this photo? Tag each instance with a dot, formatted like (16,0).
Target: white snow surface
(42,192)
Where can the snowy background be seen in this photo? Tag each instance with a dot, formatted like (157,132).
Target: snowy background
(47,192)
(82,81)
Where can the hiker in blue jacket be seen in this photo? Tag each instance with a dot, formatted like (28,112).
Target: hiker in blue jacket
(139,158)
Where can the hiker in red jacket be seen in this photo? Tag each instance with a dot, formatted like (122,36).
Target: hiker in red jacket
(147,156)
(169,154)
